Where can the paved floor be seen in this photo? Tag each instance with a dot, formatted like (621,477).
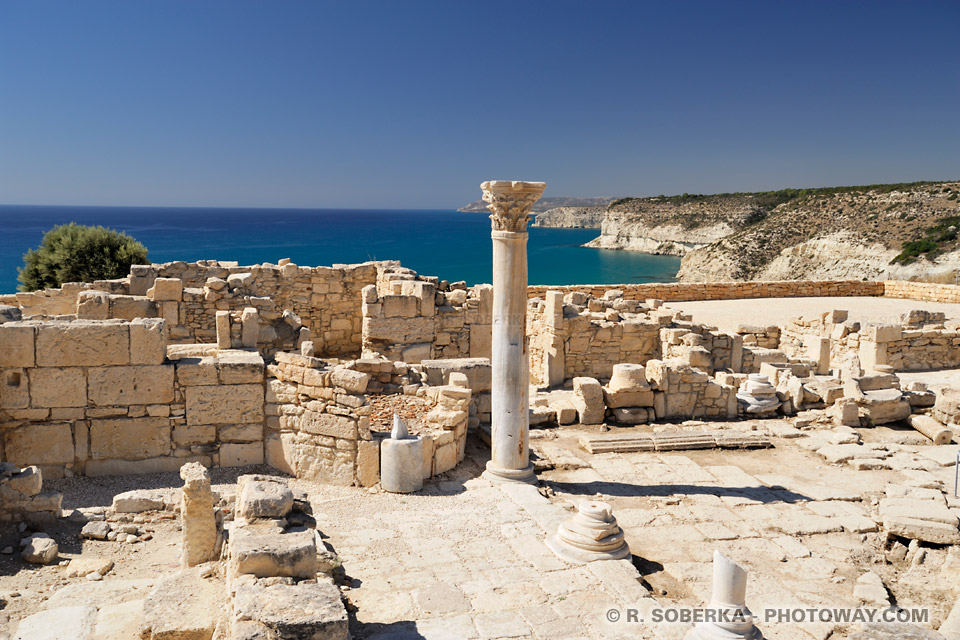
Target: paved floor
(727,314)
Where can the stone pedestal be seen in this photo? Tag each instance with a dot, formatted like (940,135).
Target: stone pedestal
(593,534)
(728,599)
(510,202)
(401,460)
(759,396)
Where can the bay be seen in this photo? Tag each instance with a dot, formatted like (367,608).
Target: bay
(448,244)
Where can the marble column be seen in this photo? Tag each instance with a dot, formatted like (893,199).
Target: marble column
(733,620)
(510,202)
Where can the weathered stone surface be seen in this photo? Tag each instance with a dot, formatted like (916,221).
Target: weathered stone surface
(119,621)
(131,385)
(61,623)
(148,343)
(96,530)
(232,404)
(166,289)
(17,344)
(327,424)
(924,530)
(197,371)
(28,481)
(263,549)
(135,467)
(262,498)
(139,500)
(182,607)
(233,454)
(250,432)
(55,387)
(129,438)
(240,367)
(199,536)
(83,343)
(588,400)
(40,444)
(368,463)
(303,610)
(40,550)
(351,381)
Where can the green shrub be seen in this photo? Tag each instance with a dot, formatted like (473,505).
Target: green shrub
(79,253)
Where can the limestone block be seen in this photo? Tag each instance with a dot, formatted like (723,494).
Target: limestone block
(199,536)
(351,381)
(40,550)
(409,330)
(45,444)
(250,328)
(141,384)
(883,332)
(224,340)
(184,606)
(265,550)
(303,610)
(631,415)
(83,343)
(241,455)
(445,458)
(280,452)
(148,343)
(56,387)
(249,432)
(263,497)
(14,389)
(328,424)
(240,367)
(417,352)
(236,280)
(129,438)
(163,464)
(17,344)
(882,407)
(481,340)
(166,289)
(29,481)
(140,500)
(197,371)
(617,399)
(368,463)
(588,400)
(60,623)
(185,435)
(369,294)
(845,413)
(232,404)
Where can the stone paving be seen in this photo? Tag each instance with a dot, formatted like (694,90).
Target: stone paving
(467,559)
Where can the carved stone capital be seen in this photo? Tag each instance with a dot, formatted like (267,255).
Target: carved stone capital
(511,201)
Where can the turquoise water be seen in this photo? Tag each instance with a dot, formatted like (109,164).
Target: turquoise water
(452,245)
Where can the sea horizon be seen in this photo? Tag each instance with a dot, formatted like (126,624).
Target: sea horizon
(446,243)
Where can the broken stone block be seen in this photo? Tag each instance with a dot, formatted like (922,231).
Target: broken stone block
(304,610)
(137,501)
(261,497)
(95,530)
(264,549)
(59,623)
(588,400)
(29,481)
(871,590)
(200,539)
(40,550)
(883,406)
(628,387)
(631,415)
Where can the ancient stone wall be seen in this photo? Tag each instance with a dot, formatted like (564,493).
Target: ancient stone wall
(677,292)
(410,319)
(100,397)
(927,291)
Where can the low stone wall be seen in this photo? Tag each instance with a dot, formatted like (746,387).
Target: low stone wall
(409,318)
(100,398)
(928,292)
(678,292)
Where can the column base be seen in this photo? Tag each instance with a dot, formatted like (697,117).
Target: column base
(499,474)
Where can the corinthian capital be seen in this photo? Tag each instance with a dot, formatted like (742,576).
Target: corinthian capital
(510,201)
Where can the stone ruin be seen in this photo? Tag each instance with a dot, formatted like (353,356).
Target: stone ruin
(211,365)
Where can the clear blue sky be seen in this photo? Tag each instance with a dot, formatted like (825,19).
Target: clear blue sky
(411,103)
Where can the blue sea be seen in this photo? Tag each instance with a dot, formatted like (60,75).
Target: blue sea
(449,244)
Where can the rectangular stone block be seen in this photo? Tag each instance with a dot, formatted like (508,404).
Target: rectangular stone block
(55,387)
(166,289)
(197,371)
(131,385)
(265,550)
(250,432)
(130,438)
(39,444)
(17,344)
(14,389)
(280,451)
(399,306)
(83,343)
(148,342)
(239,455)
(186,435)
(368,462)
(240,367)
(232,404)
(408,330)
(326,424)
